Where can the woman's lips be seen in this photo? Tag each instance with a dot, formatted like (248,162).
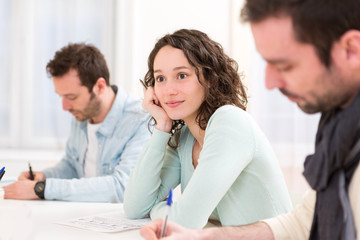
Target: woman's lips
(174,104)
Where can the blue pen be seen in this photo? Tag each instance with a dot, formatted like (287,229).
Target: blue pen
(2,172)
(168,205)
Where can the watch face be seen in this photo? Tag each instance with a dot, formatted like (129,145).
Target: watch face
(40,187)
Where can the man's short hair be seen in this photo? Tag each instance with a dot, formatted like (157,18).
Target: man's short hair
(317,22)
(85,58)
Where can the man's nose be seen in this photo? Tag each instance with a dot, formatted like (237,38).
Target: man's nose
(273,78)
(65,104)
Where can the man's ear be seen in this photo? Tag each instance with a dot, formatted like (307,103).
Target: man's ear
(350,45)
(100,86)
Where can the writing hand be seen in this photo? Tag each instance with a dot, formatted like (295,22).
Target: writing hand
(26,176)
(174,231)
(21,190)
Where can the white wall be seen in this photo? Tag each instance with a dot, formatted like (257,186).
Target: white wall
(136,27)
(146,21)
(138,24)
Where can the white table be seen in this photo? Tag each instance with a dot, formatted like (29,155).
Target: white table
(36,220)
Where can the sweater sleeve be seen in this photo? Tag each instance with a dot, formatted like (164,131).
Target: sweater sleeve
(297,223)
(157,170)
(228,148)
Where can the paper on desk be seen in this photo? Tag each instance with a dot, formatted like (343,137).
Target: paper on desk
(7,181)
(109,222)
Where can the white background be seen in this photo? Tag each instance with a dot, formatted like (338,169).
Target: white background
(34,127)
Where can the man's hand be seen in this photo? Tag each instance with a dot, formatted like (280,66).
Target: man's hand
(259,230)
(38,176)
(21,190)
(174,231)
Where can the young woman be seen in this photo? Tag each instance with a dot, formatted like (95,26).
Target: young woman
(204,140)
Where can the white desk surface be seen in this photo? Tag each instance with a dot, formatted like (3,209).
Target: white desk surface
(36,220)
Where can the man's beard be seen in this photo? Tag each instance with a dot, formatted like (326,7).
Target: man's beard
(91,110)
(333,95)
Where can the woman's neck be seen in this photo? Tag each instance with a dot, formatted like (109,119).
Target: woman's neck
(196,131)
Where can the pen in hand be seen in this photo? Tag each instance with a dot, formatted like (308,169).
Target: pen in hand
(31,172)
(168,205)
(142,82)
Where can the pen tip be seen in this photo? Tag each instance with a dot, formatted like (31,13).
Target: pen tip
(169,200)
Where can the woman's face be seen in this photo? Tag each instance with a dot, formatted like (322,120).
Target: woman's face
(176,85)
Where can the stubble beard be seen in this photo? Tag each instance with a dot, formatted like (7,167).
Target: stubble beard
(335,93)
(91,110)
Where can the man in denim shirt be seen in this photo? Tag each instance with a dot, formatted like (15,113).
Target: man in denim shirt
(105,140)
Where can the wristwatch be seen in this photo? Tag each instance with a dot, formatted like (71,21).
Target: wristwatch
(40,189)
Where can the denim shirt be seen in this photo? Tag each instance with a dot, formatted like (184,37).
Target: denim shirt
(121,137)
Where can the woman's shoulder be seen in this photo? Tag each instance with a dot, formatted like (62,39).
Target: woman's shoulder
(229,114)
(230,108)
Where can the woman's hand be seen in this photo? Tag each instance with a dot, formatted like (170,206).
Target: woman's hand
(153,106)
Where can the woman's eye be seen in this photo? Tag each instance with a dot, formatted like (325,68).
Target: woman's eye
(182,76)
(160,79)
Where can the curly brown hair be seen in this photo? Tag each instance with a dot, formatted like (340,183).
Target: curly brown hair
(222,82)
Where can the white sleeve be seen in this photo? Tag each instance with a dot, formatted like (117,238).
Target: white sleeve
(297,223)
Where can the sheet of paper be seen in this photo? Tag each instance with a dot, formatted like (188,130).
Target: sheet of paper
(109,222)
(7,180)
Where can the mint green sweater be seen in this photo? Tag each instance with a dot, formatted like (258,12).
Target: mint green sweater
(237,179)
